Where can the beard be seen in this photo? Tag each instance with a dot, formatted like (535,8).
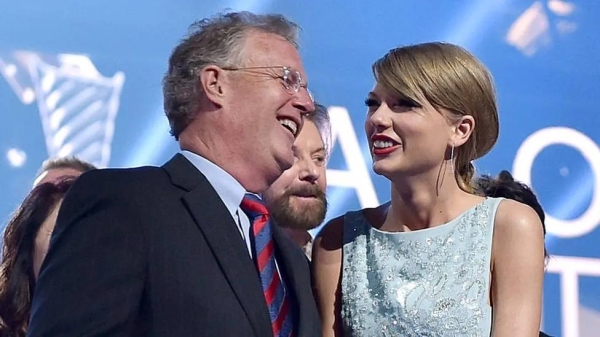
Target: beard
(306,216)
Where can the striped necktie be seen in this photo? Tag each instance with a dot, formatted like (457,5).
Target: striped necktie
(273,288)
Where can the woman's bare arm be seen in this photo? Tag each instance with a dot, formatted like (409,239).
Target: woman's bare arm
(517,271)
(327,267)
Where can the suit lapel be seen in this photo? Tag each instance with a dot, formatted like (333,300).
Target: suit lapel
(224,239)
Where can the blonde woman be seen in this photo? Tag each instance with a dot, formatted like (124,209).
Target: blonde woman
(438,259)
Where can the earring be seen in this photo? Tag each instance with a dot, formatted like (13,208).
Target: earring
(452,158)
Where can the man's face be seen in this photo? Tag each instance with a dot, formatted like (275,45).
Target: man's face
(263,115)
(56,174)
(42,238)
(297,198)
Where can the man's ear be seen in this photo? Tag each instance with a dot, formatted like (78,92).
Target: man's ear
(213,82)
(463,129)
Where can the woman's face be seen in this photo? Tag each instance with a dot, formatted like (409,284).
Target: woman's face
(42,239)
(405,139)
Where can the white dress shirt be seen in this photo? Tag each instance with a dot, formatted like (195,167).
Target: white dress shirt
(229,190)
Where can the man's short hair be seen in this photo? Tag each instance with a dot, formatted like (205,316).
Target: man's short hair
(66,162)
(218,41)
(323,123)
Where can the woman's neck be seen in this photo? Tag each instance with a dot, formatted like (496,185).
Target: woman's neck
(418,203)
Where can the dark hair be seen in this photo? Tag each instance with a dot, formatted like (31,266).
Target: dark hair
(66,162)
(505,186)
(218,41)
(17,279)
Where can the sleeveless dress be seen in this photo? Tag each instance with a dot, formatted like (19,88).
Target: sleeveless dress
(430,282)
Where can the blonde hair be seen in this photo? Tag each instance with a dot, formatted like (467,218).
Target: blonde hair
(451,79)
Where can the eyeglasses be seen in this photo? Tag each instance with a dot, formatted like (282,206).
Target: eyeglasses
(292,80)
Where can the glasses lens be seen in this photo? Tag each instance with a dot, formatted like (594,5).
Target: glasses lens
(293,80)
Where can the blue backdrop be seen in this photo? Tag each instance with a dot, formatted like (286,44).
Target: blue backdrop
(82,77)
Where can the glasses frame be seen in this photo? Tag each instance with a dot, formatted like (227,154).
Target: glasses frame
(292,86)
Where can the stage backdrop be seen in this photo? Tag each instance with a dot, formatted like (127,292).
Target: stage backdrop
(83,78)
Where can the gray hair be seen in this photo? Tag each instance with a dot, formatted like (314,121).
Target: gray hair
(218,41)
(71,162)
(321,119)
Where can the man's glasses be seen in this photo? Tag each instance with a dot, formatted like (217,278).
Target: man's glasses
(292,80)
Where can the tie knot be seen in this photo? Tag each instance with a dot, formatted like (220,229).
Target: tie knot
(253,206)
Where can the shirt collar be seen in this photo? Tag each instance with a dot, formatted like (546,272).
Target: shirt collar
(229,189)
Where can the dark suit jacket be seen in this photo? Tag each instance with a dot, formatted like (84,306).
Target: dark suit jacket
(154,252)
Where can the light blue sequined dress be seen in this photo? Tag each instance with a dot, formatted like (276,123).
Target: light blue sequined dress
(430,282)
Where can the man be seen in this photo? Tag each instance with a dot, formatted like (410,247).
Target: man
(55,169)
(296,199)
(177,250)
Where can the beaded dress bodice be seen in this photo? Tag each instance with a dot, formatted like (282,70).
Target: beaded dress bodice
(430,282)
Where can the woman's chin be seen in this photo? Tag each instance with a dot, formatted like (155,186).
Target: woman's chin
(382,169)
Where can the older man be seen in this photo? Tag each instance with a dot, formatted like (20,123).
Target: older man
(187,249)
(297,198)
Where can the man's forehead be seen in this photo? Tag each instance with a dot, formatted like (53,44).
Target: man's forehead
(262,47)
(309,138)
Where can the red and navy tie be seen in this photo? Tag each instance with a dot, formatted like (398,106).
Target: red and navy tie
(273,288)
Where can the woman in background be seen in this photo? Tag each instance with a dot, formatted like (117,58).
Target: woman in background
(26,241)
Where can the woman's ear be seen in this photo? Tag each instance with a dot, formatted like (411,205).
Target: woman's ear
(463,129)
